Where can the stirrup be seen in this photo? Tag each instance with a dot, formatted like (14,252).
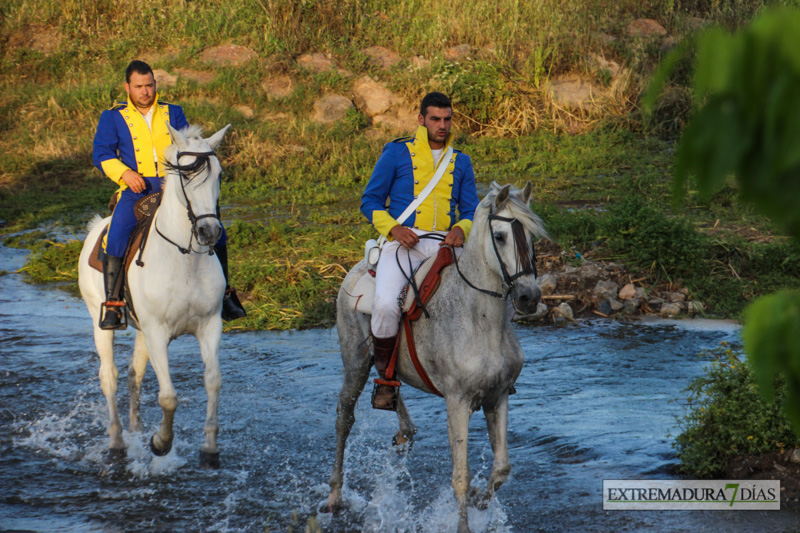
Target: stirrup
(383,387)
(118,308)
(232,308)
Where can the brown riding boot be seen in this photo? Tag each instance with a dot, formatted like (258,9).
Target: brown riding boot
(384,395)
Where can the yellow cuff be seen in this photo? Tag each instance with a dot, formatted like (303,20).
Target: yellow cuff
(466,227)
(384,223)
(114,169)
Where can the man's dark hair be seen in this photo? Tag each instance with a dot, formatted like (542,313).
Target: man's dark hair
(434,99)
(139,67)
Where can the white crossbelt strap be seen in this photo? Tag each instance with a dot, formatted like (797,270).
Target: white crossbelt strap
(443,164)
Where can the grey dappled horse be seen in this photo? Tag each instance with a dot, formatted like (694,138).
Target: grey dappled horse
(467,346)
(178,291)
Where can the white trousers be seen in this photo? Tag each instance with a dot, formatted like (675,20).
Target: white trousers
(390,278)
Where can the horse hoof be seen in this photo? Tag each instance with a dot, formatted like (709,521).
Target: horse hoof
(209,460)
(116,455)
(159,452)
(401,443)
(399,439)
(335,510)
(478,498)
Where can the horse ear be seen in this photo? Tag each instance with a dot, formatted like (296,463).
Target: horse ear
(502,196)
(525,194)
(215,139)
(177,138)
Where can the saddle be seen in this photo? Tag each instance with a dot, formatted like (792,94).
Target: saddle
(144,210)
(430,273)
(363,292)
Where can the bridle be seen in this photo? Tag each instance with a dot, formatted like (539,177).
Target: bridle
(525,258)
(200,163)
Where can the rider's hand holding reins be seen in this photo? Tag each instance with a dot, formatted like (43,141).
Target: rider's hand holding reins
(133,180)
(454,237)
(404,236)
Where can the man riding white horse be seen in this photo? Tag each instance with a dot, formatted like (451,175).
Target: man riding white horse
(129,148)
(401,175)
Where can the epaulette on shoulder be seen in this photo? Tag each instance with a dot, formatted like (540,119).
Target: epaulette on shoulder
(117,105)
(402,139)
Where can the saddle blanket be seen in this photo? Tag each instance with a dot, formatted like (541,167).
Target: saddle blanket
(363,292)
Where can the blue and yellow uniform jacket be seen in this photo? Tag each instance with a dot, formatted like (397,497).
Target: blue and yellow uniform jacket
(403,170)
(123,140)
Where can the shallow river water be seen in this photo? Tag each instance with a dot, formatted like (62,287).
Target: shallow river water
(596,400)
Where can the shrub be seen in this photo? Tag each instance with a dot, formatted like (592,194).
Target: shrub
(728,417)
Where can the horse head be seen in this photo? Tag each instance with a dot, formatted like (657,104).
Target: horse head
(194,171)
(508,244)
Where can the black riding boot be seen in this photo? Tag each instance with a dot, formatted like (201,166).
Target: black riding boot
(384,395)
(114,306)
(231,306)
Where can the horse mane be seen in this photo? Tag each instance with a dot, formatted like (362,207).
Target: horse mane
(519,210)
(189,133)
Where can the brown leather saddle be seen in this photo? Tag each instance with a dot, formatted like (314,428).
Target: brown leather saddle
(424,293)
(144,210)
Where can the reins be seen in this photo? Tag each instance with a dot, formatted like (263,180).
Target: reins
(200,163)
(525,253)
(410,278)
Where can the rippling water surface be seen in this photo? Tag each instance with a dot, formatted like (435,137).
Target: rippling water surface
(596,400)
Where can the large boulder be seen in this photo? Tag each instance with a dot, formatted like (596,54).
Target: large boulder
(201,77)
(670,309)
(164,79)
(331,108)
(548,284)
(316,62)
(627,292)
(646,28)
(572,91)
(227,55)
(563,313)
(278,87)
(372,98)
(381,57)
(605,290)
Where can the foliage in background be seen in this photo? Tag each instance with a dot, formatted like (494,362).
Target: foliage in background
(649,238)
(748,128)
(284,171)
(727,417)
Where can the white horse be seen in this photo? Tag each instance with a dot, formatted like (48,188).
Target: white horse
(468,348)
(177,291)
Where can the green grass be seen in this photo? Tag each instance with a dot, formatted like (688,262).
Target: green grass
(605,193)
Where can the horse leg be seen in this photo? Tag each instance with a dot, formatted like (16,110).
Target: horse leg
(497,425)
(356,372)
(209,348)
(161,441)
(407,428)
(136,371)
(104,342)
(458,415)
